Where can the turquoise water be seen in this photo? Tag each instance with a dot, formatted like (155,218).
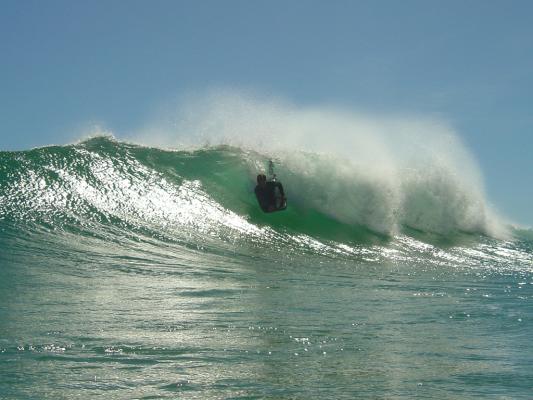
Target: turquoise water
(130,272)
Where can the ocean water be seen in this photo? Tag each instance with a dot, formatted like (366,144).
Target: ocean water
(135,272)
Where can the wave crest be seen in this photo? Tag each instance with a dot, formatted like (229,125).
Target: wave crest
(211,190)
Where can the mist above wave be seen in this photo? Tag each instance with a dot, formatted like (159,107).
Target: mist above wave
(381,171)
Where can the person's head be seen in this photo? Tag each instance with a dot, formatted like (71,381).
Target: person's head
(261,180)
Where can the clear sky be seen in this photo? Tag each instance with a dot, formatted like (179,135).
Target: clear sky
(67,64)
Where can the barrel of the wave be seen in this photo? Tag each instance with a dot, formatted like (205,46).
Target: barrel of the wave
(269,192)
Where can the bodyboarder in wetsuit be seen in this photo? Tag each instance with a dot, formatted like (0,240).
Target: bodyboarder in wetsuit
(266,194)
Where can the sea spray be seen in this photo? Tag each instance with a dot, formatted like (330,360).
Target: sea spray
(380,171)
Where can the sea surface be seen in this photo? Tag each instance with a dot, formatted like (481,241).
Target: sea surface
(129,272)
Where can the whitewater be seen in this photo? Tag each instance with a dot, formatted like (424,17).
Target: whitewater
(147,270)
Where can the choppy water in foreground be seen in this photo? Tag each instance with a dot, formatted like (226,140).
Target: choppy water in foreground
(129,272)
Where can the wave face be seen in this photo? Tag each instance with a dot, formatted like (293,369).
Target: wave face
(105,181)
(204,198)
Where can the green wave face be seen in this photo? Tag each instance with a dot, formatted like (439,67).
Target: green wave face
(103,188)
(116,185)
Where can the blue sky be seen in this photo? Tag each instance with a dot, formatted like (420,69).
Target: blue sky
(69,64)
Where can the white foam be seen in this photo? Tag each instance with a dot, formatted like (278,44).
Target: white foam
(382,171)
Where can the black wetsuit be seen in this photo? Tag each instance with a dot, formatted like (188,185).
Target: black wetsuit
(266,196)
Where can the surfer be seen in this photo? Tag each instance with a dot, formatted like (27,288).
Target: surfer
(270,194)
